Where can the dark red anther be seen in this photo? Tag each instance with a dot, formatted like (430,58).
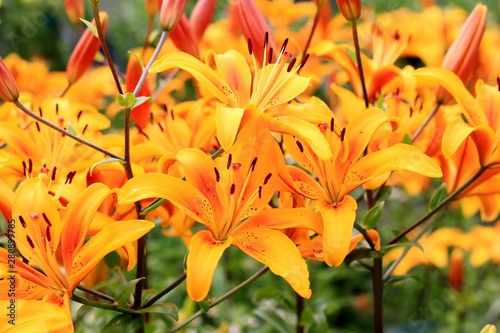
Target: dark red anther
(332,124)
(283,47)
(85,128)
(53,174)
(30,242)
(270,55)
(299,144)
(217,175)
(249,44)
(46,219)
(267,178)
(23,223)
(342,134)
(260,192)
(78,115)
(304,60)
(291,64)
(252,167)
(229,160)
(233,188)
(266,39)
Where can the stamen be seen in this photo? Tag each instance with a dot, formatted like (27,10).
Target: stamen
(34,215)
(283,47)
(498,83)
(53,177)
(30,242)
(161,127)
(301,148)
(79,115)
(46,219)
(217,175)
(260,192)
(249,43)
(342,134)
(24,168)
(229,159)
(233,188)
(291,64)
(270,55)
(57,108)
(267,178)
(30,166)
(85,129)
(40,111)
(332,124)
(47,233)
(151,118)
(304,60)
(172,115)
(71,175)
(23,223)
(236,166)
(38,126)
(266,39)
(252,167)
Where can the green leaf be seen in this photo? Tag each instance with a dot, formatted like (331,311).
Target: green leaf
(372,217)
(123,293)
(141,100)
(387,248)
(399,278)
(204,305)
(361,253)
(112,260)
(406,139)
(91,27)
(385,193)
(169,309)
(122,323)
(104,161)
(126,100)
(438,196)
(71,129)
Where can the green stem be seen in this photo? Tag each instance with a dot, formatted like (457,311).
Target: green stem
(152,206)
(426,122)
(442,204)
(101,305)
(222,298)
(164,291)
(355,38)
(96,293)
(63,131)
(299,308)
(378,295)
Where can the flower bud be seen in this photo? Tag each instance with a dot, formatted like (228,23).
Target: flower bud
(489,329)
(254,27)
(74,10)
(140,114)
(201,16)
(171,12)
(152,7)
(85,50)
(456,273)
(350,9)
(462,54)
(184,39)
(8,86)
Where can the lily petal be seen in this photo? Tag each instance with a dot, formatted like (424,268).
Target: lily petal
(277,251)
(204,254)
(227,122)
(338,221)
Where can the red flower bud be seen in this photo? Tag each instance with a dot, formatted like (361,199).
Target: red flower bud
(456,274)
(171,12)
(74,10)
(152,7)
(85,50)
(140,114)
(462,54)
(201,16)
(8,86)
(184,39)
(350,9)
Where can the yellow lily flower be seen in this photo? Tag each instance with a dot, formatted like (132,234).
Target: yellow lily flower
(347,170)
(228,196)
(43,227)
(229,78)
(482,120)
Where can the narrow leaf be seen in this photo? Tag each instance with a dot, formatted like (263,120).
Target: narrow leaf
(123,293)
(91,27)
(169,309)
(372,217)
(122,323)
(112,260)
(361,253)
(438,196)
(104,161)
(71,129)
(141,100)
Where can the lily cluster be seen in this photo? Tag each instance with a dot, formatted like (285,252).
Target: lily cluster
(252,158)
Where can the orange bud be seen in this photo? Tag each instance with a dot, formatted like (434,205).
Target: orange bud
(152,7)
(74,10)
(184,39)
(85,50)
(462,54)
(201,16)
(320,3)
(254,27)
(171,12)
(350,9)
(140,114)
(8,86)
(456,274)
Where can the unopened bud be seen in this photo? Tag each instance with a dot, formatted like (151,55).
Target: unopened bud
(184,39)
(462,54)
(152,7)
(201,16)
(8,86)
(74,10)
(489,329)
(456,273)
(140,114)
(85,50)
(171,12)
(350,9)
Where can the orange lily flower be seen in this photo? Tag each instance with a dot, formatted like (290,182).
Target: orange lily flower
(227,196)
(228,77)
(347,170)
(480,112)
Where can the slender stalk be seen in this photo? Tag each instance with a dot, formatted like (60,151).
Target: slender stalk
(148,33)
(104,45)
(317,16)
(152,206)
(96,293)
(106,306)
(299,308)
(63,131)
(442,204)
(142,79)
(164,83)
(218,153)
(355,38)
(378,299)
(164,292)
(426,121)
(365,235)
(222,298)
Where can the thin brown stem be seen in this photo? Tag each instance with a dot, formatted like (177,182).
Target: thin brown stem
(164,291)
(299,308)
(378,297)
(426,122)
(355,38)
(96,293)
(63,131)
